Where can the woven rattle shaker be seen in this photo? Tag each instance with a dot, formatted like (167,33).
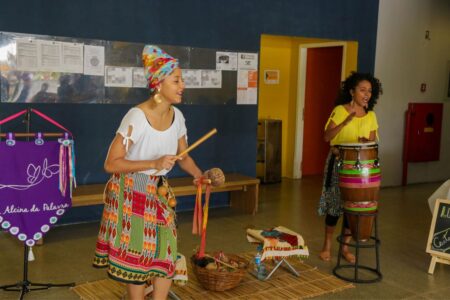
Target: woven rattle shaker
(216,176)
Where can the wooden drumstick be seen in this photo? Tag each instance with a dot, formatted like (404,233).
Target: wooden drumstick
(198,142)
(194,145)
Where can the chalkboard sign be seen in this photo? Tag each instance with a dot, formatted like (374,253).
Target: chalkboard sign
(439,236)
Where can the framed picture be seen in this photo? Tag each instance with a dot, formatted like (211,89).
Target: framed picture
(271,76)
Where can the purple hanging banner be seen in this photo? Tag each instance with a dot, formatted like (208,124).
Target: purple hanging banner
(30,198)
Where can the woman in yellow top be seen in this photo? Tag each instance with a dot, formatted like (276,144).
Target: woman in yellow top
(352,121)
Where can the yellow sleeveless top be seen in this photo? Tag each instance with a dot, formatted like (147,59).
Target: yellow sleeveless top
(358,127)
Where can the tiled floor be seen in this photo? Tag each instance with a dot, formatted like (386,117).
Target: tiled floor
(404,222)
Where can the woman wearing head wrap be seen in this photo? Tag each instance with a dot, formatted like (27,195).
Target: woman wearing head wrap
(352,121)
(137,238)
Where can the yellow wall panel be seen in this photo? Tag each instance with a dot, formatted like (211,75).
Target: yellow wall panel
(279,101)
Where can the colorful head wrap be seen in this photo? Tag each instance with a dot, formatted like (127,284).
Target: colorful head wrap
(157,65)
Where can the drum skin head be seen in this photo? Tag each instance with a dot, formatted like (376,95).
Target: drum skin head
(357,145)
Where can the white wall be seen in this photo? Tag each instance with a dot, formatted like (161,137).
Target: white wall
(404,60)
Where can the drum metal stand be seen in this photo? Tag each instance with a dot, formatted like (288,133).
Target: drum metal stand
(373,242)
(278,263)
(25,285)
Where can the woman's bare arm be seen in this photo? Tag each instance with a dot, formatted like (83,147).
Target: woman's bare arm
(333,129)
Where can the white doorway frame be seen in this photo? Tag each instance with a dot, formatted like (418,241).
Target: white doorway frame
(301,88)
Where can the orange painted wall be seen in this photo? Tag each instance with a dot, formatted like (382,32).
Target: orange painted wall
(280,101)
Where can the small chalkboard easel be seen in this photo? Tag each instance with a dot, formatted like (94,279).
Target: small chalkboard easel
(438,244)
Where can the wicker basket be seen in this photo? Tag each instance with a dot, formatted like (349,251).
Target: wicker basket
(219,281)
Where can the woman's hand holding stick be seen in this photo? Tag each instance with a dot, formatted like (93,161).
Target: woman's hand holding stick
(193,146)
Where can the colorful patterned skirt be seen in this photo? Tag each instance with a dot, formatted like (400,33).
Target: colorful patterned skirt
(330,199)
(137,239)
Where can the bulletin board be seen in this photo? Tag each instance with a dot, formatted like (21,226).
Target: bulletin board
(28,77)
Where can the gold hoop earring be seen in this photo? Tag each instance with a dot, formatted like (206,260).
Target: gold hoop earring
(158,98)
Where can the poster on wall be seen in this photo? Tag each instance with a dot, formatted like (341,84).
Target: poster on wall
(271,76)
(202,79)
(247,77)
(211,79)
(118,76)
(94,60)
(27,55)
(72,57)
(192,78)
(248,61)
(226,61)
(50,56)
(139,80)
(247,87)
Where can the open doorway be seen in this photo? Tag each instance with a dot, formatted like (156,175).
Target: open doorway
(320,72)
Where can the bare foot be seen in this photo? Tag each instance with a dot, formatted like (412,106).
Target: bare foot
(348,257)
(325,255)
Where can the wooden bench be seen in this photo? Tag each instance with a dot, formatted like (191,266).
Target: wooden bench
(243,189)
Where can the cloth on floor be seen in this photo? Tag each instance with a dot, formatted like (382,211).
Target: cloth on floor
(278,242)
(181,276)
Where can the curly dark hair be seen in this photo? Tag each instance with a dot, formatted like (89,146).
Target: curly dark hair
(352,81)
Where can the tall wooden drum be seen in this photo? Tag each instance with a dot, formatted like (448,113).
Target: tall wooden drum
(359,183)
